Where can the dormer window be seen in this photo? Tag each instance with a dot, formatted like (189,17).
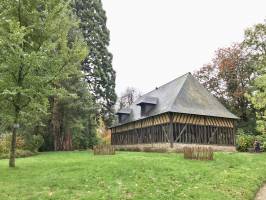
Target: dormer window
(147,104)
(123,115)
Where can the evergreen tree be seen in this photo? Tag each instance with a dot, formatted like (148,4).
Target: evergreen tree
(73,117)
(35,54)
(98,64)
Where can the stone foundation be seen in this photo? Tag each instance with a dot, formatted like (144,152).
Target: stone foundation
(178,147)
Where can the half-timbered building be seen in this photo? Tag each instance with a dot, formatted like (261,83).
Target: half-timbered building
(179,112)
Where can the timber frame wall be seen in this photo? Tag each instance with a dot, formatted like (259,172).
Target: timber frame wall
(176,128)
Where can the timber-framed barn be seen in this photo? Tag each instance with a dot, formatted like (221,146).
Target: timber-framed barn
(179,112)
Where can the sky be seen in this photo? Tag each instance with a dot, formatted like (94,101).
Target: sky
(155,41)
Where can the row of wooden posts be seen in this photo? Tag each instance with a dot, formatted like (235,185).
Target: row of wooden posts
(177,133)
(218,132)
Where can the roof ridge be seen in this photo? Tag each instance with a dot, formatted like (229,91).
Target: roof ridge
(166,84)
(186,74)
(176,96)
(209,96)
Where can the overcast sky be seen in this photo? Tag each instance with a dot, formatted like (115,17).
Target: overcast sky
(155,41)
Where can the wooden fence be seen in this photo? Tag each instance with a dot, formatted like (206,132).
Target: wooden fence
(103,149)
(198,153)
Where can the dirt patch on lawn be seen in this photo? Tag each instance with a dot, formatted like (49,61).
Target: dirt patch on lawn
(261,195)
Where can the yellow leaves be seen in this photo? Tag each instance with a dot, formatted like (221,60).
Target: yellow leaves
(103,132)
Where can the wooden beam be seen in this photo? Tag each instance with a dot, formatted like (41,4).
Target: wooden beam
(213,134)
(165,133)
(171,132)
(180,134)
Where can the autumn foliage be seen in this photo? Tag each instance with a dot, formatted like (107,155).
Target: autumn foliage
(103,133)
(229,77)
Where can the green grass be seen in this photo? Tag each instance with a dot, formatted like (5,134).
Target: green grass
(128,175)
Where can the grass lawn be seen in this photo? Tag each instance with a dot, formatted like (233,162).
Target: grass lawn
(128,175)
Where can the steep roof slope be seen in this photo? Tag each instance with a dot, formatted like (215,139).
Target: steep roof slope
(182,95)
(193,98)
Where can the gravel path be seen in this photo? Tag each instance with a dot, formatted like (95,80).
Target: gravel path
(261,195)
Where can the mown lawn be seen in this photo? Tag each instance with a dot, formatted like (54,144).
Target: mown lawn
(128,175)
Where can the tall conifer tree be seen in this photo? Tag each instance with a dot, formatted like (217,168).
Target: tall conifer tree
(98,64)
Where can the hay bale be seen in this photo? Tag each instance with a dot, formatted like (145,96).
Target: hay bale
(103,149)
(198,153)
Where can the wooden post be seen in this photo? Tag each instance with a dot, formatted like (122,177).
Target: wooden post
(170,131)
(234,132)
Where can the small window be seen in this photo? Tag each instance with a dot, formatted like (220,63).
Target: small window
(145,109)
(122,118)
(123,115)
(147,104)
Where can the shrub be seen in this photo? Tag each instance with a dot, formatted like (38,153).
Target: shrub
(24,147)
(245,142)
(19,154)
(5,142)
(262,140)
(264,145)
(33,142)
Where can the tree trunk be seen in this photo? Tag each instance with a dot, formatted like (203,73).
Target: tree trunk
(13,148)
(55,123)
(68,140)
(12,156)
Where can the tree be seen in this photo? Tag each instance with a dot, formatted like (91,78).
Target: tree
(255,41)
(208,76)
(235,70)
(229,77)
(35,53)
(98,64)
(73,119)
(103,133)
(128,97)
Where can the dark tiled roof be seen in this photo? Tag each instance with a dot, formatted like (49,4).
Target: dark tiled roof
(182,95)
(148,100)
(124,111)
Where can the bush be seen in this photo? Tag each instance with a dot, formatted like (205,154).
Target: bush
(24,147)
(244,141)
(33,142)
(19,154)
(5,142)
(264,145)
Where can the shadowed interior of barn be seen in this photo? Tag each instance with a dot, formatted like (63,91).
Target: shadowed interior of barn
(181,111)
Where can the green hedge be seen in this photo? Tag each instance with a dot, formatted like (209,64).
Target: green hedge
(246,141)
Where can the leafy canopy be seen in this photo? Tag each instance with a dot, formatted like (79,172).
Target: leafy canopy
(35,53)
